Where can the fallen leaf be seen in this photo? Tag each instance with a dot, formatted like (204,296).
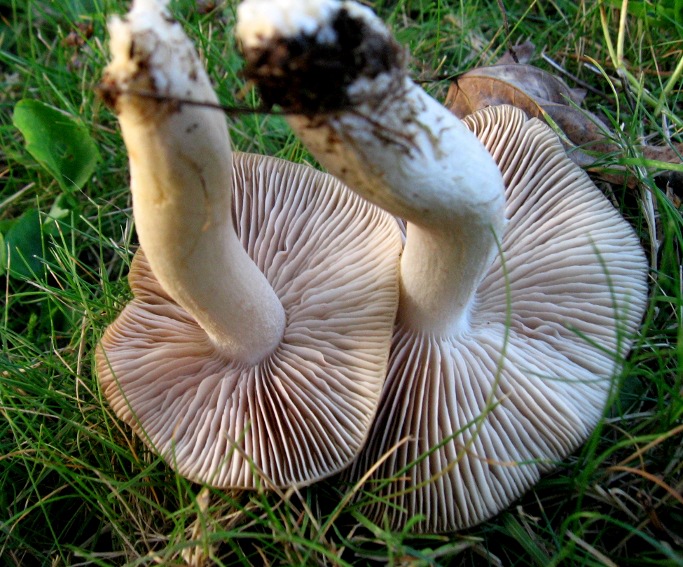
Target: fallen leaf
(58,142)
(543,95)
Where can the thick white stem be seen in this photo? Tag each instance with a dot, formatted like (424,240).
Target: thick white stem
(440,273)
(403,151)
(181,176)
(388,140)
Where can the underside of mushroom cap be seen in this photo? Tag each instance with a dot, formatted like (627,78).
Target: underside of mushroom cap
(485,413)
(304,412)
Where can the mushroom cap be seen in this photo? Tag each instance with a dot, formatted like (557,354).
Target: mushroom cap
(483,414)
(304,412)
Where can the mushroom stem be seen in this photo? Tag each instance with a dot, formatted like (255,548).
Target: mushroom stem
(181,177)
(372,127)
(468,420)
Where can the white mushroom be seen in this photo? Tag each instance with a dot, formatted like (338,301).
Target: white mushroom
(521,286)
(258,338)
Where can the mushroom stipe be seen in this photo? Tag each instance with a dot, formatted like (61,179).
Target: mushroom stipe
(255,349)
(522,288)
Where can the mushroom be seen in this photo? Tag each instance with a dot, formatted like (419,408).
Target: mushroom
(522,287)
(255,348)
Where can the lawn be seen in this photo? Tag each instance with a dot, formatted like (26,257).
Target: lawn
(79,488)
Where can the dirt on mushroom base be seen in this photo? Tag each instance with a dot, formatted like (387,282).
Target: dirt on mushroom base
(308,77)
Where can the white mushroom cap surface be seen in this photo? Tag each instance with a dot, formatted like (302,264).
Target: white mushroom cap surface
(522,287)
(225,239)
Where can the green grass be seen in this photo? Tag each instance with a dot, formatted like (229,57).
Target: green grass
(77,487)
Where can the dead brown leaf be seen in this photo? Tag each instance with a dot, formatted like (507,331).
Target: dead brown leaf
(521,85)
(543,95)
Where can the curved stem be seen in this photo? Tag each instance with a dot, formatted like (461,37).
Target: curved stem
(372,127)
(440,274)
(406,153)
(181,176)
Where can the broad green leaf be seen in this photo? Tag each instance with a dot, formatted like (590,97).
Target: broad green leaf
(6,224)
(58,142)
(24,246)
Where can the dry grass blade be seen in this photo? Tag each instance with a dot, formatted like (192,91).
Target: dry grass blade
(651,477)
(645,448)
(602,558)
